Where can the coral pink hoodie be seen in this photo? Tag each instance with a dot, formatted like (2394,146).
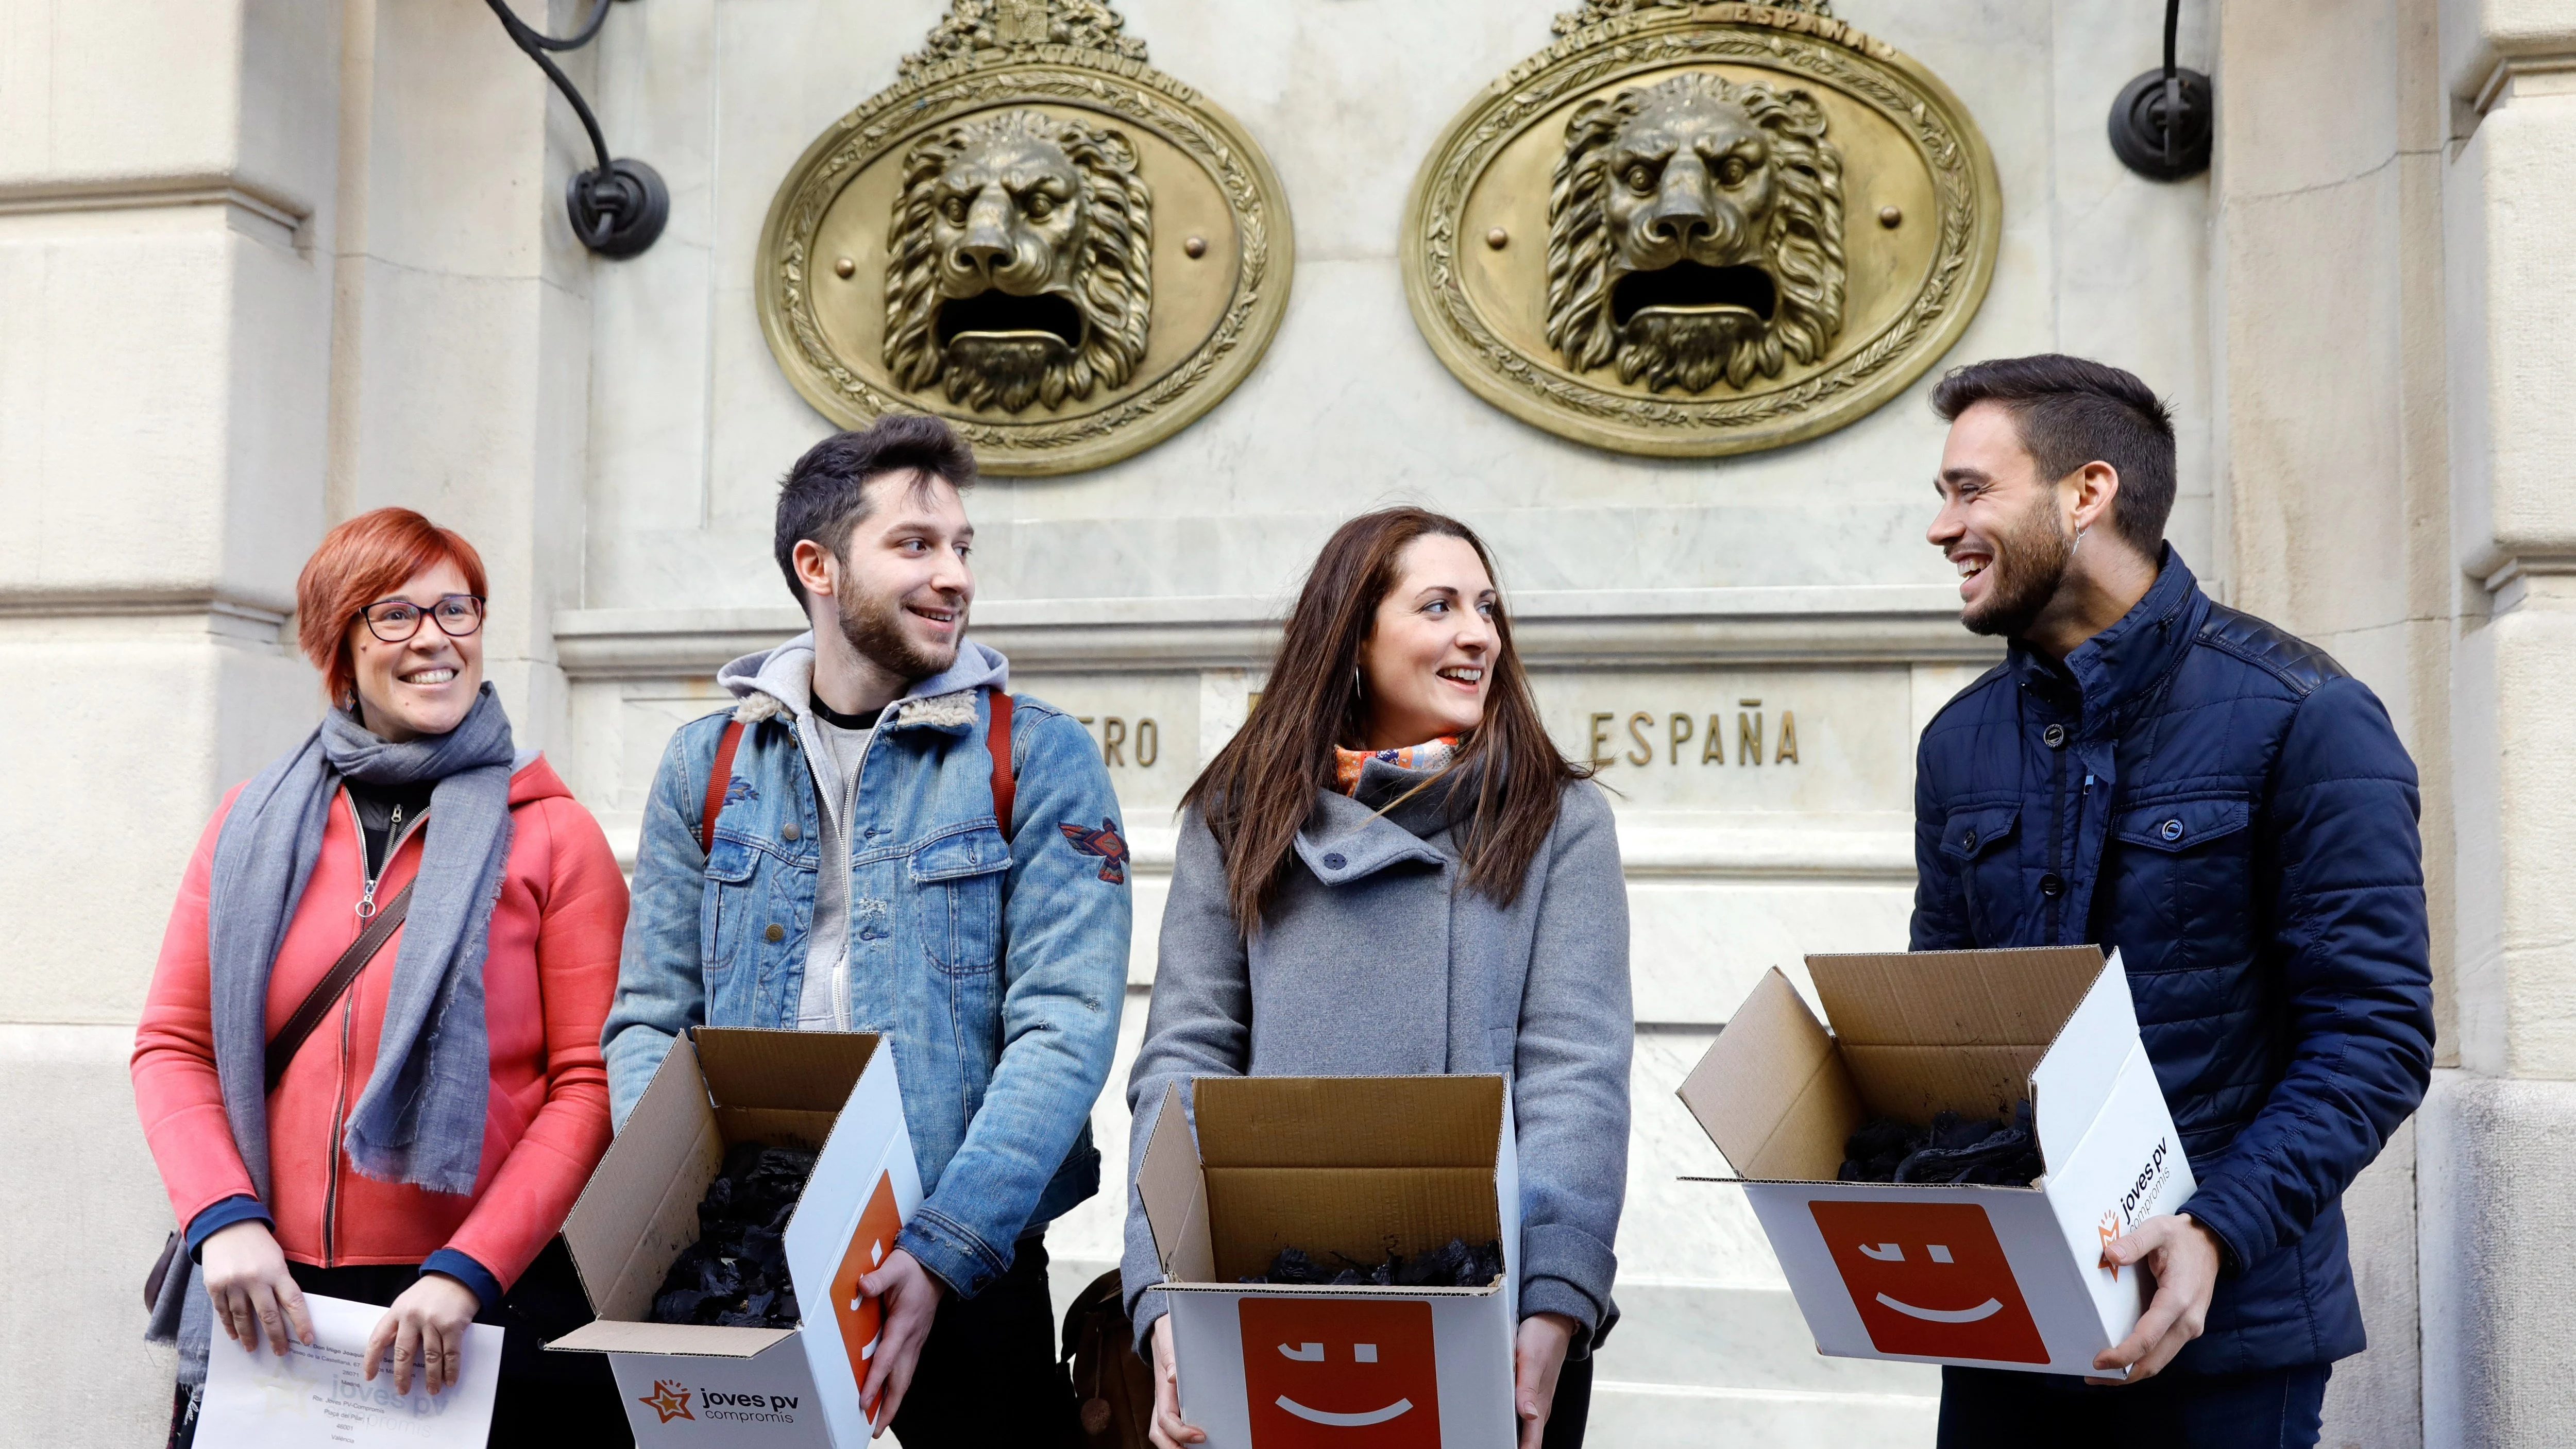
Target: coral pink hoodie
(548,975)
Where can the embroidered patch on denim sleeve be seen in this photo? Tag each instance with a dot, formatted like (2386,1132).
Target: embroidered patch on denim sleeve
(1105,843)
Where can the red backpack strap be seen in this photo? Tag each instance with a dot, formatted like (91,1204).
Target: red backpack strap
(718,777)
(997,742)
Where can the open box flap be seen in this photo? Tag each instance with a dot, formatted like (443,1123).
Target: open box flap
(1334,1213)
(1962,1031)
(1174,1192)
(1358,1166)
(696,1340)
(1772,1092)
(2074,1080)
(640,1207)
(1333,1290)
(1349,1121)
(797,1071)
(785,1088)
(1347,1167)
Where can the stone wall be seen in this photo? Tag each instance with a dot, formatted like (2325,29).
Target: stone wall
(1658,601)
(265,264)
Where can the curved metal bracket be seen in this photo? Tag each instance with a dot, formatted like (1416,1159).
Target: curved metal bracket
(618,208)
(2161,124)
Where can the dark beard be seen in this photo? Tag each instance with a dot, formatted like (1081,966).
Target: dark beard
(2029,565)
(874,628)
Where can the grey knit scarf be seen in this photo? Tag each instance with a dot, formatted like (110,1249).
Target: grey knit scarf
(420,1117)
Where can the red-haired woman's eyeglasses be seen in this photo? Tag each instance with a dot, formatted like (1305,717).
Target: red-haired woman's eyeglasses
(396,620)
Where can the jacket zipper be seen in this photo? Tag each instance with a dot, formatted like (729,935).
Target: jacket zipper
(849,887)
(397,832)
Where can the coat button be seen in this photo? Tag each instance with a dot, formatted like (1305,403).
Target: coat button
(789,831)
(1968,841)
(1334,861)
(2172,830)
(776,932)
(2054,736)
(2052,885)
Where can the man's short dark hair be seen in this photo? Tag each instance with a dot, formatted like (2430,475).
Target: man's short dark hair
(2070,412)
(826,494)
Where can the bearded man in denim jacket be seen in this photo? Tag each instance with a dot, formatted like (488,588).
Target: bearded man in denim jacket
(860,880)
(2153,771)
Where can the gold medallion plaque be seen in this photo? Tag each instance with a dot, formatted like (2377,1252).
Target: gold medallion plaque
(1033,234)
(1693,229)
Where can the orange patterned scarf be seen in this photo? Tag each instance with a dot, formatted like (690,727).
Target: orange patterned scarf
(1347,764)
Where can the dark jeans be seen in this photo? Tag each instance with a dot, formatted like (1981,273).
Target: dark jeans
(2273,1409)
(988,1374)
(545,1400)
(1571,1406)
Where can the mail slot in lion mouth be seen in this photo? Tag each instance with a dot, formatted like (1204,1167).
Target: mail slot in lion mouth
(1692,287)
(996,313)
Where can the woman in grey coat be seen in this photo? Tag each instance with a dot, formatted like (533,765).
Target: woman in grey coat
(1391,871)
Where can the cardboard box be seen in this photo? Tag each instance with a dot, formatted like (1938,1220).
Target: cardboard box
(1354,1165)
(832,1092)
(1999,1277)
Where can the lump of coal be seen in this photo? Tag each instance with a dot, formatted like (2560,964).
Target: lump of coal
(735,1274)
(1954,1149)
(1455,1265)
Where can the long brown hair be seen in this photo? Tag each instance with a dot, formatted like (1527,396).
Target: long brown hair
(1261,787)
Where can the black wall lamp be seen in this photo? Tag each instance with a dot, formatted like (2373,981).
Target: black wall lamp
(619,206)
(2160,125)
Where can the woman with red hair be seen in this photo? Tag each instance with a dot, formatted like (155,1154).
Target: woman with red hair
(369,1066)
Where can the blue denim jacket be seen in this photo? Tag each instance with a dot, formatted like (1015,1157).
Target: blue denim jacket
(994,960)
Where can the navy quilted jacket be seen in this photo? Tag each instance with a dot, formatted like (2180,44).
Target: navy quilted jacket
(2230,809)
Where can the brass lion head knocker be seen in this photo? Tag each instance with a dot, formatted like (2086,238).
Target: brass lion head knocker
(1695,234)
(1019,265)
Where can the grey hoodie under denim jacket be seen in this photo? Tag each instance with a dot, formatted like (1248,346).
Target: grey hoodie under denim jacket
(1375,960)
(993,955)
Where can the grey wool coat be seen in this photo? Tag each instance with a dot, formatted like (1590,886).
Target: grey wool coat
(1375,960)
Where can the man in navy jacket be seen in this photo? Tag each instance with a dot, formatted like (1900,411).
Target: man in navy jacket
(2153,771)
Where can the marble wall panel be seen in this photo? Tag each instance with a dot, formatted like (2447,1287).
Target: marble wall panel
(1349,409)
(156,362)
(1146,727)
(1734,868)
(1807,741)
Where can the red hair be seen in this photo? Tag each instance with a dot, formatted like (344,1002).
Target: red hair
(358,563)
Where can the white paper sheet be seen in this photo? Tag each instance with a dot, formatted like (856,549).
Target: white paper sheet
(317,1397)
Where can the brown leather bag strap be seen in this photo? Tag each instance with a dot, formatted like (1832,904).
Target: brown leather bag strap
(997,742)
(719,776)
(317,1002)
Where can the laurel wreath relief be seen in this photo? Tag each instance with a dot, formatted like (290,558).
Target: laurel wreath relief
(970,80)
(1635,39)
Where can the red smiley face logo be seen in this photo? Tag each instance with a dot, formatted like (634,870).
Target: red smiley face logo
(1340,1373)
(1930,1279)
(858,1313)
